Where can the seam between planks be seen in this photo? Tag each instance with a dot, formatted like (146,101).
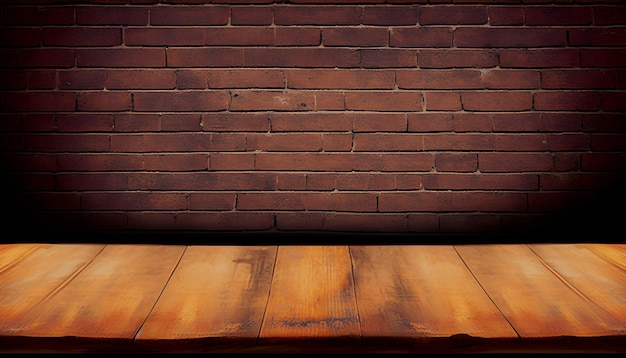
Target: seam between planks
(160,294)
(485,291)
(267,301)
(356,299)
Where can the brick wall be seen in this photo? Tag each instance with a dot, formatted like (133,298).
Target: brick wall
(418,117)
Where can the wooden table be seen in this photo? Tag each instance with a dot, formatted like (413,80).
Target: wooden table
(342,299)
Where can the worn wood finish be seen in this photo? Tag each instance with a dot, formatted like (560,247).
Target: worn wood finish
(217,292)
(536,301)
(613,253)
(589,275)
(33,272)
(110,298)
(421,291)
(312,295)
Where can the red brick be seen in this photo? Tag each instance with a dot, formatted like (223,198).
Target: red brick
(337,142)
(612,141)
(246,78)
(120,57)
(614,101)
(497,101)
(451,201)
(235,221)
(151,220)
(142,79)
(470,223)
(511,79)
(420,37)
(604,122)
(602,57)
(84,122)
(202,181)
(81,36)
(359,202)
(137,122)
(103,101)
(488,37)
(205,57)
(365,181)
(380,122)
(289,181)
(133,201)
(272,100)
(569,142)
(575,181)
(567,100)
(45,58)
(516,182)
(538,58)
(239,36)
(297,36)
(520,142)
(330,100)
(473,122)
(235,122)
(189,15)
(211,201)
(284,142)
(365,222)
(344,162)
(300,220)
(300,57)
(609,15)
(422,223)
(385,142)
(191,79)
(429,122)
(177,142)
(456,162)
(82,79)
(438,79)
(389,15)
(558,15)
(514,162)
(38,122)
(175,162)
(578,79)
(597,37)
(67,143)
(339,79)
(506,15)
(231,161)
(388,58)
(454,58)
(442,101)
(566,162)
(20,37)
(384,101)
(181,101)
(44,79)
(459,141)
(355,36)
(602,161)
(517,122)
(38,15)
(163,36)
(311,121)
(316,15)
(38,101)
(91,181)
(110,15)
(99,162)
(256,15)
(452,15)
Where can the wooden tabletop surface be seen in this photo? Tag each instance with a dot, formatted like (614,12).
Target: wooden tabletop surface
(292,298)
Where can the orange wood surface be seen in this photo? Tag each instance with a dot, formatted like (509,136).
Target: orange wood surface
(110,298)
(537,302)
(216,292)
(312,295)
(421,291)
(413,298)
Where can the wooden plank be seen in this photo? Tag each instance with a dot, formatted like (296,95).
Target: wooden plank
(534,300)
(421,291)
(217,292)
(613,253)
(110,298)
(34,271)
(10,254)
(312,295)
(593,277)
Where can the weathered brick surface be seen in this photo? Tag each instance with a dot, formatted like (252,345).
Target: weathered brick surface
(346,116)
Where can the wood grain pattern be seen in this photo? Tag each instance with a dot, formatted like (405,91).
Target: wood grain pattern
(312,295)
(589,274)
(216,292)
(110,298)
(34,271)
(613,253)
(534,300)
(421,291)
